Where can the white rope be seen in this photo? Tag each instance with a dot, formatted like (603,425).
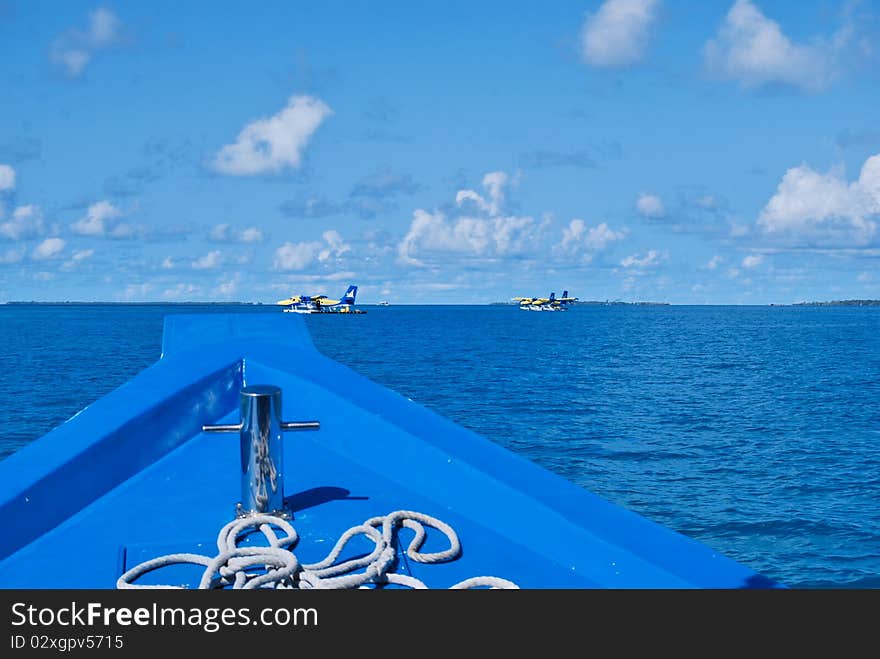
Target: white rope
(276,565)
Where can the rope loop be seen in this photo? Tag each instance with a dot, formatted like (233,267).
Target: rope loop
(275,565)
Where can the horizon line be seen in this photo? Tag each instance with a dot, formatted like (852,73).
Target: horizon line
(840,302)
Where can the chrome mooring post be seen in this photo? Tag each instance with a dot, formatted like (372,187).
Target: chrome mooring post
(262,451)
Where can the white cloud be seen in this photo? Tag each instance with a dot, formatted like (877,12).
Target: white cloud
(650,205)
(865,277)
(181,292)
(272,144)
(137,291)
(229,287)
(7,178)
(72,51)
(495,236)
(251,235)
(335,246)
(77,257)
(577,236)
(167,264)
(617,34)
(26,222)
(209,261)
(296,256)
(650,259)
(752,261)
(824,210)
(753,49)
(48,249)
(11,256)
(494,183)
(94,222)
(225,233)
(714,262)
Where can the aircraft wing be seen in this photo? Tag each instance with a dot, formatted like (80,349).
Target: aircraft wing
(326,302)
(289,300)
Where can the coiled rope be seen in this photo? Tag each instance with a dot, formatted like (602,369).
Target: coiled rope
(276,565)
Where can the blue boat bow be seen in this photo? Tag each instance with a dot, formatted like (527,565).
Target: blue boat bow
(133,476)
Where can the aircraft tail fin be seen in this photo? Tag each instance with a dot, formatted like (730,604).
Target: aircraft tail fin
(350,295)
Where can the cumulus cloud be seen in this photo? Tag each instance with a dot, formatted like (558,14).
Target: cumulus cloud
(617,34)
(228,287)
(26,222)
(270,145)
(297,256)
(752,49)
(650,205)
(11,256)
(209,261)
(103,220)
(137,291)
(824,210)
(334,246)
(48,249)
(488,233)
(648,260)
(7,178)
(225,233)
(72,51)
(752,261)
(94,222)
(714,262)
(494,183)
(182,291)
(497,236)
(577,236)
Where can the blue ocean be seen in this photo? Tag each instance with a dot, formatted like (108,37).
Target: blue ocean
(755,430)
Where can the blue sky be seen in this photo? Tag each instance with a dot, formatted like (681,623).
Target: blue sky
(714,152)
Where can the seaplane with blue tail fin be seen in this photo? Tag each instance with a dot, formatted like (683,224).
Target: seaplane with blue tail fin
(551,303)
(307,304)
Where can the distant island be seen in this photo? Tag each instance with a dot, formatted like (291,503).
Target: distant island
(129,304)
(839,303)
(598,302)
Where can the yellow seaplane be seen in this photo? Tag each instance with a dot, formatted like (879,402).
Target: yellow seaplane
(321,303)
(551,303)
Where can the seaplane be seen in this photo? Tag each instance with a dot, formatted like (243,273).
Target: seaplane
(307,304)
(551,303)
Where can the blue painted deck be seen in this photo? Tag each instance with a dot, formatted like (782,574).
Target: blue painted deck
(132,477)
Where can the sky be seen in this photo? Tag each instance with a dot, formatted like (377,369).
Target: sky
(457,152)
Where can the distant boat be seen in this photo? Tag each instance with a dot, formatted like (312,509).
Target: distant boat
(384,303)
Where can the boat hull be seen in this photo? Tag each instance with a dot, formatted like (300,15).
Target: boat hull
(133,476)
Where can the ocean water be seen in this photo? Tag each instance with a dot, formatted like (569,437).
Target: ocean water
(755,430)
